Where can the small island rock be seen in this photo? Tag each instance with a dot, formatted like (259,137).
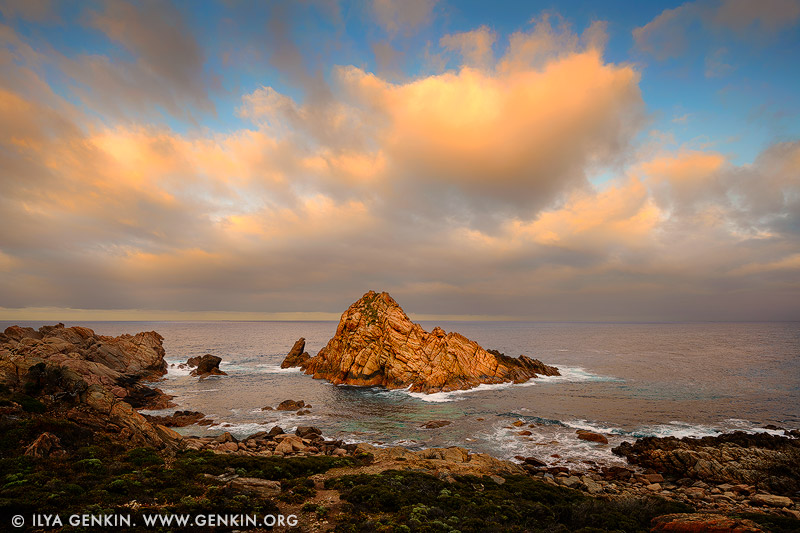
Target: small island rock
(207,365)
(377,344)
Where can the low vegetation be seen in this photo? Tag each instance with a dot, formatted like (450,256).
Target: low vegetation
(419,502)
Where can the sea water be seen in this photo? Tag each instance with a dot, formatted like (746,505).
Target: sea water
(625,380)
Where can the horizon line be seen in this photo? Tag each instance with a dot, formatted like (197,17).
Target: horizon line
(68,314)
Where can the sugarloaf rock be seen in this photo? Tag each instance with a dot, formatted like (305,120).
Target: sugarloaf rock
(377,344)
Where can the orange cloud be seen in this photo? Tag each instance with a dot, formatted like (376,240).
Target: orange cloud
(686,178)
(519,137)
(622,215)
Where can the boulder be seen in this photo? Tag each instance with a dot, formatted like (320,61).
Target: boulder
(44,445)
(533,461)
(207,365)
(377,344)
(591,436)
(770,500)
(290,405)
(308,432)
(290,444)
(225,437)
(276,430)
(433,424)
(252,486)
(654,478)
(297,356)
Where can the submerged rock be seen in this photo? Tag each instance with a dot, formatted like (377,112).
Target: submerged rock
(377,344)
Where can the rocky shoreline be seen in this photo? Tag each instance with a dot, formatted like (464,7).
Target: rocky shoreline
(59,383)
(713,496)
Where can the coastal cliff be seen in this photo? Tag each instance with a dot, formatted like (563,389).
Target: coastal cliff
(377,344)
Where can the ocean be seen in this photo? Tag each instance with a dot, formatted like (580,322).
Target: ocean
(626,380)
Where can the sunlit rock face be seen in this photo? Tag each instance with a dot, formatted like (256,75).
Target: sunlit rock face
(377,344)
(92,380)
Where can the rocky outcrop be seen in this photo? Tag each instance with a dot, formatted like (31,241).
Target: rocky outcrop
(297,356)
(443,462)
(116,363)
(90,379)
(180,419)
(703,523)
(206,365)
(769,462)
(45,445)
(377,344)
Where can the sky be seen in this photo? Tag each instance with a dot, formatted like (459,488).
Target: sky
(571,160)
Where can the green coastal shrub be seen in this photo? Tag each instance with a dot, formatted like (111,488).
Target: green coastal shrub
(421,502)
(29,403)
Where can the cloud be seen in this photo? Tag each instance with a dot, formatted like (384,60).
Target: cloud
(669,34)
(766,16)
(402,16)
(622,215)
(757,200)
(716,66)
(686,179)
(666,35)
(166,69)
(474,46)
(465,189)
(30,10)
(387,59)
(511,140)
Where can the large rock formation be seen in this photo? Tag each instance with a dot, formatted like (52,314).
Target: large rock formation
(90,379)
(377,344)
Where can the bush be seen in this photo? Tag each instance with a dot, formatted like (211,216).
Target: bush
(422,502)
